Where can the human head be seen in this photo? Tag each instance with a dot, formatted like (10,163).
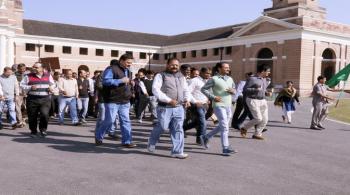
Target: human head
(264,71)
(21,68)
(7,71)
(75,75)
(194,72)
(321,79)
(248,74)
(126,60)
(150,74)
(82,74)
(289,83)
(37,68)
(222,68)
(56,76)
(69,74)
(205,73)
(172,65)
(186,70)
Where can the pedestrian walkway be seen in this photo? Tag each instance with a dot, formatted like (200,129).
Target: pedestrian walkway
(293,160)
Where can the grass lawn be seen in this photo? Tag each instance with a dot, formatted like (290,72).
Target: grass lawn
(342,112)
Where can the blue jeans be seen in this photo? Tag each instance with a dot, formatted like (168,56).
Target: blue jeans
(173,119)
(112,111)
(101,117)
(10,103)
(224,114)
(83,104)
(71,102)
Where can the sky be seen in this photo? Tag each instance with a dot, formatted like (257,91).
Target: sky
(161,16)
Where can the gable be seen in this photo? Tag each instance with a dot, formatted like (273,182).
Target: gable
(265,27)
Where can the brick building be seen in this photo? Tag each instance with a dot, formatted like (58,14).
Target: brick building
(293,37)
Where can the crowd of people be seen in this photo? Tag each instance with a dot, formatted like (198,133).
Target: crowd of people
(178,99)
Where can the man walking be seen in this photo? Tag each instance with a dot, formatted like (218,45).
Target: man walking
(200,104)
(222,87)
(116,95)
(171,90)
(38,84)
(21,97)
(69,93)
(10,90)
(255,93)
(320,102)
(83,100)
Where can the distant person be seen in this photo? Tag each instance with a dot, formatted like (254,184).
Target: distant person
(320,103)
(286,99)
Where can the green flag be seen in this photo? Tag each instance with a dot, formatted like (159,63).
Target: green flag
(342,75)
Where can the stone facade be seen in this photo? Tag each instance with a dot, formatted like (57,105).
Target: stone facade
(292,36)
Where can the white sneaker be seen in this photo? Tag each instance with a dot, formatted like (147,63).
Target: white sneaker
(180,156)
(151,148)
(140,120)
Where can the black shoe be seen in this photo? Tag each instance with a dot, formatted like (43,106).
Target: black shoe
(264,130)
(315,128)
(77,124)
(320,126)
(113,136)
(98,142)
(198,141)
(33,135)
(14,126)
(1,127)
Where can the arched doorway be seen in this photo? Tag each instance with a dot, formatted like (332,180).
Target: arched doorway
(264,57)
(328,63)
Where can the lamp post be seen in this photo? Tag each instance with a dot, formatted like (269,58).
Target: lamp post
(149,60)
(221,53)
(39,50)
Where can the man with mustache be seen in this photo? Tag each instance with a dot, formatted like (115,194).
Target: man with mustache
(171,90)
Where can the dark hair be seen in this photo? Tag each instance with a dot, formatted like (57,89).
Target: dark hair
(143,70)
(217,66)
(204,70)
(289,82)
(171,59)
(263,68)
(114,62)
(56,74)
(125,57)
(21,65)
(184,67)
(149,72)
(193,69)
(7,68)
(320,78)
(80,71)
(249,74)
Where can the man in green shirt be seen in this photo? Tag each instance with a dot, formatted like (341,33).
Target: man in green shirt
(222,87)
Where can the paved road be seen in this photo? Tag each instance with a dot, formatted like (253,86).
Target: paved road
(293,160)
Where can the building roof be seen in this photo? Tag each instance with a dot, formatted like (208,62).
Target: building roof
(50,29)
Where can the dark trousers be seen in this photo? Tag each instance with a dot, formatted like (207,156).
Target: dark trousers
(246,113)
(54,105)
(141,105)
(38,106)
(238,112)
(91,109)
(196,119)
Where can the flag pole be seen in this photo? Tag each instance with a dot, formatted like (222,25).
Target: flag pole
(340,94)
